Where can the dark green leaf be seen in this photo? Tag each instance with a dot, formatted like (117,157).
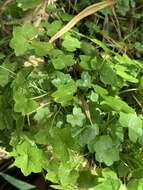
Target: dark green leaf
(17,183)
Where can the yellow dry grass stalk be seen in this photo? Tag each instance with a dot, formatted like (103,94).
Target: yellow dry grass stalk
(3,154)
(84,13)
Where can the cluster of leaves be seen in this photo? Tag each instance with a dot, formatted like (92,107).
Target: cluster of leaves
(73,109)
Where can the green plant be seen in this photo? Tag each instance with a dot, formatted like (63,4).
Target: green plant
(17,183)
(73,109)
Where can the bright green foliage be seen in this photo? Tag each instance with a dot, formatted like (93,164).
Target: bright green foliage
(114,102)
(42,114)
(117,104)
(73,109)
(70,43)
(61,79)
(26,4)
(101,91)
(134,125)
(85,81)
(77,118)
(69,176)
(62,61)
(28,157)
(65,93)
(66,88)
(122,73)
(135,184)
(69,171)
(94,97)
(22,37)
(84,63)
(53,27)
(24,104)
(41,48)
(108,181)
(108,75)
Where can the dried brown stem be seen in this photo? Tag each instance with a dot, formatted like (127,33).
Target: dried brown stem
(86,12)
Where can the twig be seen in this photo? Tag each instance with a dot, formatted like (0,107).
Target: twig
(38,97)
(40,13)
(117,24)
(138,102)
(85,107)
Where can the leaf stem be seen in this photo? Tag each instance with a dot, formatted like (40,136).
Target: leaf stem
(43,105)
(38,97)
(128,90)
(8,71)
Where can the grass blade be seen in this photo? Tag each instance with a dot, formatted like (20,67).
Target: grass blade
(17,183)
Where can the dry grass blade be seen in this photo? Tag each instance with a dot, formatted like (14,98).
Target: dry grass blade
(4,5)
(86,109)
(3,154)
(86,12)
